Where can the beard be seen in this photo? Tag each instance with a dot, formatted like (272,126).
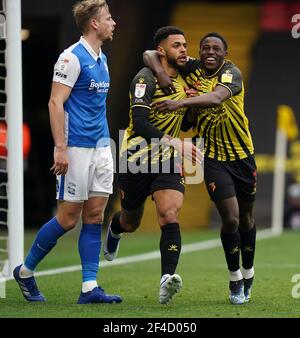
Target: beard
(173,62)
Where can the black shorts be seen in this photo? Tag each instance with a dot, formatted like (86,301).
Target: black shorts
(135,188)
(232,178)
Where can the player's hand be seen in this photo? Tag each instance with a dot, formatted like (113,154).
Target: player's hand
(166,105)
(188,150)
(60,166)
(191,92)
(165,83)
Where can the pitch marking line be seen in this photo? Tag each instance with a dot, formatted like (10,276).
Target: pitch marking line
(203,245)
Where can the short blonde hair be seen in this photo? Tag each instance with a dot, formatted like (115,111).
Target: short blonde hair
(84,10)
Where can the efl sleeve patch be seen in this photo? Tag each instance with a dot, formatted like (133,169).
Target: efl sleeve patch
(66,69)
(140,90)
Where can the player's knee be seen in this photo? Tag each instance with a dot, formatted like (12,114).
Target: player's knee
(230,224)
(168,215)
(95,216)
(68,222)
(93,220)
(247,222)
(130,226)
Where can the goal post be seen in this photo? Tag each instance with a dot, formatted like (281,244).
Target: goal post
(15,216)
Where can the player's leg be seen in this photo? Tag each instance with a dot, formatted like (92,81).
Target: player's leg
(68,212)
(66,218)
(247,231)
(220,186)
(123,221)
(246,191)
(89,246)
(230,237)
(99,186)
(134,190)
(168,194)
(168,204)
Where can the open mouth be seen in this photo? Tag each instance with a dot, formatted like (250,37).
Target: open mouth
(210,60)
(182,58)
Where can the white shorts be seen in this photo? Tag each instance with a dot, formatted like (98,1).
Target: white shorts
(90,173)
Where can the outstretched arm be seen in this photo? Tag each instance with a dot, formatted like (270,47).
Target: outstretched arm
(151,60)
(212,99)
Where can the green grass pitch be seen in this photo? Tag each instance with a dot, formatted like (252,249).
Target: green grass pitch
(205,282)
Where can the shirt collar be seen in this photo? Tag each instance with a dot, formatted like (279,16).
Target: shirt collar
(90,49)
(215,73)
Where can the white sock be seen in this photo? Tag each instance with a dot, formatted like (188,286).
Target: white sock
(89,285)
(234,276)
(248,273)
(24,272)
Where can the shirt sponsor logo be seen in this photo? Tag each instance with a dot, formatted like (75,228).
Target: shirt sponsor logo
(101,87)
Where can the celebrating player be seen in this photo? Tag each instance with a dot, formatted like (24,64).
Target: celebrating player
(143,149)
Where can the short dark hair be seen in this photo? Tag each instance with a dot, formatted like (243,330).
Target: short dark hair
(163,32)
(214,35)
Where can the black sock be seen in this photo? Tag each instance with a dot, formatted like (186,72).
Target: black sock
(170,248)
(231,246)
(248,239)
(115,225)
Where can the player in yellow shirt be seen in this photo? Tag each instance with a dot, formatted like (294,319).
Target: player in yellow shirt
(150,168)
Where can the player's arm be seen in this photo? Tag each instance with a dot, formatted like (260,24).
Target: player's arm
(59,95)
(142,90)
(144,128)
(229,84)
(212,99)
(151,60)
(66,72)
(189,120)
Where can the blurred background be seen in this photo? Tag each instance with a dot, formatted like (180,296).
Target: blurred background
(260,44)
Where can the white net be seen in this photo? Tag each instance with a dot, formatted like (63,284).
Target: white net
(3,149)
